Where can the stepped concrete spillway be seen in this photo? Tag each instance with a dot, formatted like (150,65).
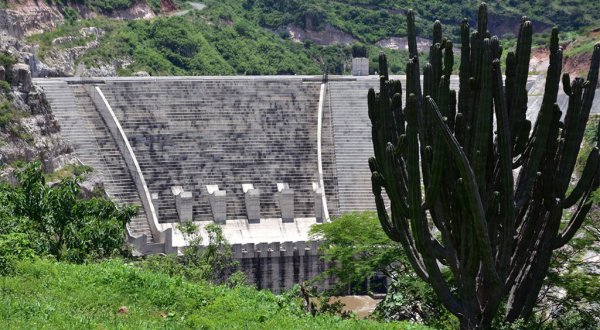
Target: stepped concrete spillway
(244,152)
(201,133)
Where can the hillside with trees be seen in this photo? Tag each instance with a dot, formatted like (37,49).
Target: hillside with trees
(253,37)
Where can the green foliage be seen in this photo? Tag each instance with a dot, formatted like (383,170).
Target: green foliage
(411,299)
(4,86)
(14,247)
(58,222)
(10,119)
(46,294)
(372,20)
(357,248)
(6,60)
(71,170)
(154,4)
(225,40)
(70,15)
(359,50)
(212,262)
(45,40)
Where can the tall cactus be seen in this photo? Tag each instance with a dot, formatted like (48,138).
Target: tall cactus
(448,162)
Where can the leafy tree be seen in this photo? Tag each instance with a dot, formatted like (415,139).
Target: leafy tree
(357,249)
(210,261)
(56,220)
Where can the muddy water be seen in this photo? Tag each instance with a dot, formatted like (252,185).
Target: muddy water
(363,306)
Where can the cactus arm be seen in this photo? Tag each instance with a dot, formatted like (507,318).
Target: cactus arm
(419,223)
(585,183)
(531,167)
(436,69)
(434,185)
(411,35)
(549,164)
(576,119)
(522,138)
(452,110)
(569,136)
(408,244)
(554,70)
(414,176)
(396,189)
(518,106)
(474,200)
(511,67)
(460,128)
(590,91)
(507,205)
(566,80)
(483,121)
(386,224)
(397,234)
(464,70)
(482,19)
(414,56)
(398,115)
(545,116)
(578,217)
(427,79)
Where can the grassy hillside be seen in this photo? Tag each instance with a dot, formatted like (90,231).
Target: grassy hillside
(219,40)
(51,295)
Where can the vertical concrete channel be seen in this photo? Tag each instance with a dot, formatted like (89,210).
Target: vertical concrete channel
(118,133)
(319,149)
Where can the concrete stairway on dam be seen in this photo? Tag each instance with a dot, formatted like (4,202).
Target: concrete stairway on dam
(84,128)
(225,132)
(352,137)
(352,141)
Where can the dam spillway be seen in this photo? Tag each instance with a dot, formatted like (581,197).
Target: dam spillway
(238,151)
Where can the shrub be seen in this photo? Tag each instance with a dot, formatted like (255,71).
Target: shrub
(69,227)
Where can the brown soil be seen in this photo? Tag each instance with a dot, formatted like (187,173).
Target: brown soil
(577,65)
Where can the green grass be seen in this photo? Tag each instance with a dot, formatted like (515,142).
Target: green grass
(50,295)
(68,171)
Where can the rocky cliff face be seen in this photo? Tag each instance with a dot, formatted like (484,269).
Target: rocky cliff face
(28,130)
(24,18)
(28,17)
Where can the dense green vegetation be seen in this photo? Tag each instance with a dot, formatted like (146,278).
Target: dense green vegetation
(250,37)
(116,294)
(223,39)
(38,219)
(358,250)
(372,20)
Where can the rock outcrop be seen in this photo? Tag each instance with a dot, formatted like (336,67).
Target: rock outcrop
(29,17)
(32,133)
(21,76)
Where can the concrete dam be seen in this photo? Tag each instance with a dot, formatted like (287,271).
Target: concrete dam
(266,157)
